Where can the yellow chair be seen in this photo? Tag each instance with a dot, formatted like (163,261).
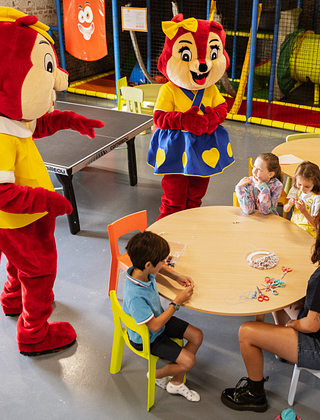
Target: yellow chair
(282,199)
(120,83)
(134,100)
(120,338)
(127,224)
(298,136)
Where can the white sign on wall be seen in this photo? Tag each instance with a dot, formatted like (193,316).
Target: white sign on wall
(134,19)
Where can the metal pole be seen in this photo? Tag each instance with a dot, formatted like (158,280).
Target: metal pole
(255,7)
(149,36)
(234,46)
(116,40)
(274,50)
(60,34)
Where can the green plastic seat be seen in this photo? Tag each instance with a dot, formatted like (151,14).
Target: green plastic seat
(120,337)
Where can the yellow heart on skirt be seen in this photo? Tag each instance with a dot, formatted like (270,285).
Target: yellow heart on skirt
(211,157)
(161,157)
(184,159)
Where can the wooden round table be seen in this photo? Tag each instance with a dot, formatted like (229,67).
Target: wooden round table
(305,149)
(218,240)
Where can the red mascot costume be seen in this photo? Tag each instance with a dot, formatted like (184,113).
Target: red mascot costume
(189,145)
(29,75)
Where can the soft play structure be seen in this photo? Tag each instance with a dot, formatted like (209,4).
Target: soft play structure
(273,78)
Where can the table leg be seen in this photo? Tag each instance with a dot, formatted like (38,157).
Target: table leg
(132,163)
(260,318)
(73,218)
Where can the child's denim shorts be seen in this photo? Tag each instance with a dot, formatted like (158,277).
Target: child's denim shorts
(308,351)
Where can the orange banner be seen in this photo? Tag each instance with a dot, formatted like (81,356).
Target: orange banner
(85,29)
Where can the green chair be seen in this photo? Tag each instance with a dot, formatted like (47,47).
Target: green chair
(120,83)
(120,337)
(298,136)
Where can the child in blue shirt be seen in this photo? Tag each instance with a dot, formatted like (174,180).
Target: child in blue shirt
(141,300)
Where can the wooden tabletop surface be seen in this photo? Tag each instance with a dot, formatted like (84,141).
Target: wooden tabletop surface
(218,239)
(305,149)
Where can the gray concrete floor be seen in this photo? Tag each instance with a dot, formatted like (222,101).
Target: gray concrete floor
(76,384)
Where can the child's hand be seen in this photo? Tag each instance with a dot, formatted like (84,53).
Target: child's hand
(291,202)
(244,181)
(184,295)
(185,280)
(257,182)
(301,206)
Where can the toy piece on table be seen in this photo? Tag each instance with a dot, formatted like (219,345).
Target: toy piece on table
(176,249)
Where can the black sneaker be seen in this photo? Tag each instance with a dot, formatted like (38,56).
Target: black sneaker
(241,398)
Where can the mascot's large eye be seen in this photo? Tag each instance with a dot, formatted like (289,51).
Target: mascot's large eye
(214,52)
(81,16)
(185,54)
(88,14)
(48,63)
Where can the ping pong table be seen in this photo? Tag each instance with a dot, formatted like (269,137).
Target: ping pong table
(67,152)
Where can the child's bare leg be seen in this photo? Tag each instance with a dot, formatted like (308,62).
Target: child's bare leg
(186,358)
(183,364)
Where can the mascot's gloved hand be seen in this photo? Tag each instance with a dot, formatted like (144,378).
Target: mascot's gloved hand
(190,121)
(26,200)
(51,122)
(216,116)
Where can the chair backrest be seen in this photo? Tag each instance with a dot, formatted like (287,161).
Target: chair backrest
(121,83)
(300,136)
(127,224)
(120,317)
(250,167)
(133,97)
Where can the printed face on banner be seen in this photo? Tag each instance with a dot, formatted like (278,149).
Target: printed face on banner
(85,29)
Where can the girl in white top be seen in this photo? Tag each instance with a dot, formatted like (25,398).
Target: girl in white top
(304,196)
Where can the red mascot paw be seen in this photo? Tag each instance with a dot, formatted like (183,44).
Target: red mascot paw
(60,336)
(58,204)
(85,126)
(193,122)
(216,116)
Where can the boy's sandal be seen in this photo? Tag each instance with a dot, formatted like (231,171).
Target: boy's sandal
(183,390)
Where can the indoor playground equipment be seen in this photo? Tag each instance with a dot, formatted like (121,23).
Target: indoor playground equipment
(277,58)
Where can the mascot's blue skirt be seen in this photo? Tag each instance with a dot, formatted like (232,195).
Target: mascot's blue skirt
(180,152)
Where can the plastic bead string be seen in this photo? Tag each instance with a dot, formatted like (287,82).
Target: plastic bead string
(263,263)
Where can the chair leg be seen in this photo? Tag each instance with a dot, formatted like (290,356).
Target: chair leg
(293,385)
(117,351)
(288,185)
(151,381)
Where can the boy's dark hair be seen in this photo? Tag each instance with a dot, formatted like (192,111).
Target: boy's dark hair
(310,171)
(147,246)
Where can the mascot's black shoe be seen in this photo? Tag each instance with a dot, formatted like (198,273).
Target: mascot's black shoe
(242,398)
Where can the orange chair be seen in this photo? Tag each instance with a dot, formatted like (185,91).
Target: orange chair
(127,224)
